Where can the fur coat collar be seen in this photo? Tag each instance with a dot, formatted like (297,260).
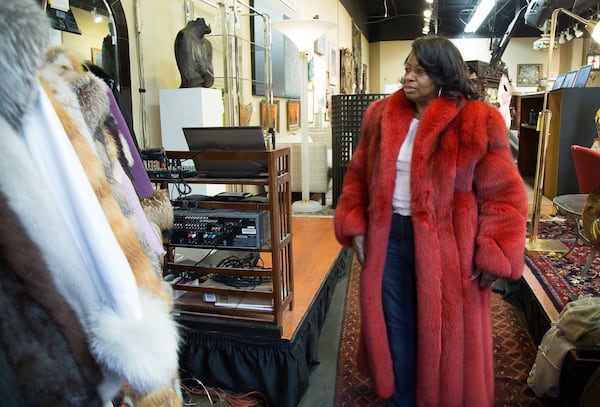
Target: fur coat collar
(469,211)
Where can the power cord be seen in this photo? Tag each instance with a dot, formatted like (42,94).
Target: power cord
(249,261)
(193,387)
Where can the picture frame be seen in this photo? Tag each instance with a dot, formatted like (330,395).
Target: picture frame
(582,76)
(96,56)
(320,45)
(333,67)
(569,79)
(529,74)
(269,117)
(285,58)
(293,115)
(558,82)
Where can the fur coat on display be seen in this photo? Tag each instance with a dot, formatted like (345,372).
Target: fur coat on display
(98,159)
(469,212)
(67,338)
(44,355)
(42,341)
(83,97)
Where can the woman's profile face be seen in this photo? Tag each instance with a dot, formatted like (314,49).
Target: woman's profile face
(418,86)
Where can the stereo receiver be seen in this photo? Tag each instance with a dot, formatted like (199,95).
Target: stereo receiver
(220,228)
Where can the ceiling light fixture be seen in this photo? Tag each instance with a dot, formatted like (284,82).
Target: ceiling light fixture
(482,11)
(96,16)
(568,35)
(561,38)
(577,31)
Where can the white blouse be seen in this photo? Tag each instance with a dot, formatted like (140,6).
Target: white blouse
(401,198)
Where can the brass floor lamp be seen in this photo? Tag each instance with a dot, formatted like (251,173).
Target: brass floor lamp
(534,244)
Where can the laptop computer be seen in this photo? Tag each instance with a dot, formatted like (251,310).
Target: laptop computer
(248,138)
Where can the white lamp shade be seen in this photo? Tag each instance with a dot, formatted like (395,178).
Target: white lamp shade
(303,33)
(595,30)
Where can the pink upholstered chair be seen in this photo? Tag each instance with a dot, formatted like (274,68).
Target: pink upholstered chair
(587,167)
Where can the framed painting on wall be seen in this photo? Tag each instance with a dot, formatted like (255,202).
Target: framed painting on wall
(285,58)
(320,45)
(529,74)
(293,114)
(96,56)
(269,115)
(333,65)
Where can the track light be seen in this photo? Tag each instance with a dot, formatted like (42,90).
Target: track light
(577,31)
(561,39)
(96,16)
(482,11)
(568,35)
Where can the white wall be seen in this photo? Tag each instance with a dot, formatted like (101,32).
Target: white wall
(391,56)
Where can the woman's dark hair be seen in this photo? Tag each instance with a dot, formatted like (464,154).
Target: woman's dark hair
(445,66)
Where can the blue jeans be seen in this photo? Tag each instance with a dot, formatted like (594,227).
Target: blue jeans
(400,309)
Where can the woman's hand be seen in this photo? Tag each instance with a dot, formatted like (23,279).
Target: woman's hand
(486,280)
(359,244)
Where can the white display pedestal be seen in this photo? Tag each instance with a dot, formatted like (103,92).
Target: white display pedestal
(189,107)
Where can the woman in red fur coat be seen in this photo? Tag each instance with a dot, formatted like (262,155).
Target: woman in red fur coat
(435,210)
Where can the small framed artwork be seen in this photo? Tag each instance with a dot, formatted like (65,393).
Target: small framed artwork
(333,63)
(529,74)
(558,82)
(293,114)
(569,79)
(320,45)
(269,115)
(582,76)
(97,56)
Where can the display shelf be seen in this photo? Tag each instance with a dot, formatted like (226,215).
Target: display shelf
(265,302)
(525,110)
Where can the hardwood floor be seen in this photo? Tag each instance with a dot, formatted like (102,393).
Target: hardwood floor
(314,249)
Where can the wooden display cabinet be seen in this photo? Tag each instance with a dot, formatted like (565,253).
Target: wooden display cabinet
(526,109)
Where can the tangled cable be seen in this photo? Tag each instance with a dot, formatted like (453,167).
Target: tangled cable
(194,387)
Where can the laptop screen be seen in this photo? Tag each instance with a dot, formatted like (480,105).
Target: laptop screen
(248,138)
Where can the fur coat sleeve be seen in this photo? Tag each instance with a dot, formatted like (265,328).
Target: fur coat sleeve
(469,211)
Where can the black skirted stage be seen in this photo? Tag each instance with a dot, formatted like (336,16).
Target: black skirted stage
(247,358)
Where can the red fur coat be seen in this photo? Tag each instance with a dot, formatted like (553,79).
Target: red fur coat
(469,211)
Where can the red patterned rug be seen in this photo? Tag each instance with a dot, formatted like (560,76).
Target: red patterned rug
(561,277)
(514,352)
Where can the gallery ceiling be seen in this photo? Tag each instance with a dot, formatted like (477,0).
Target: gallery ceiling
(387,20)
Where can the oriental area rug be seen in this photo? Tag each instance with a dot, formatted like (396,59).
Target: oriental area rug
(514,353)
(561,276)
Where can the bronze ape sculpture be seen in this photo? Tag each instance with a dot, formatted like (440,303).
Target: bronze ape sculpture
(193,53)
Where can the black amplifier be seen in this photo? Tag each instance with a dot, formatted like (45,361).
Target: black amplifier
(220,228)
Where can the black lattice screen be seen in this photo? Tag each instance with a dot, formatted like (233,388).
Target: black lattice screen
(346,119)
